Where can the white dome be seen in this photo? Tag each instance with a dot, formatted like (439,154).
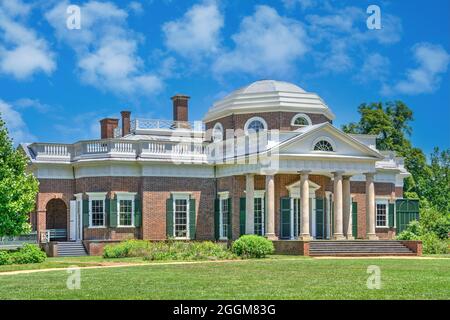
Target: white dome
(270,86)
(268,96)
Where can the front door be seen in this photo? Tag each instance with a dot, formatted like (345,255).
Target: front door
(76,223)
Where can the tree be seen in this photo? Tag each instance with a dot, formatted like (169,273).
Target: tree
(18,188)
(391,122)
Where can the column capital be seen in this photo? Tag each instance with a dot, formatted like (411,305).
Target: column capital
(346,176)
(338,173)
(369,174)
(304,173)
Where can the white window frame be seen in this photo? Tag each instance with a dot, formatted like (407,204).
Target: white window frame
(385,202)
(217,127)
(247,123)
(223,196)
(259,194)
(182,196)
(97,196)
(301,115)
(328,139)
(126,196)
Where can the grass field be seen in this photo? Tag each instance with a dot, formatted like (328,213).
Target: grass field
(273,278)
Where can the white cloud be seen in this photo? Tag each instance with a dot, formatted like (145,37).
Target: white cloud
(432,62)
(375,67)
(106,49)
(22,52)
(303,4)
(266,45)
(26,103)
(17,128)
(197,32)
(135,7)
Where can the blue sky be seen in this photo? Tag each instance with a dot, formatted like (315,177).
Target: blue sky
(56,83)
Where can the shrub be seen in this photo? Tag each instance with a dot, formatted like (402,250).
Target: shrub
(4,258)
(128,248)
(252,246)
(168,250)
(431,244)
(29,253)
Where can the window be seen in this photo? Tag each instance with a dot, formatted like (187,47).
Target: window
(96,209)
(224,215)
(181,223)
(300,120)
(125,209)
(255,124)
(259,216)
(382,213)
(323,145)
(217,132)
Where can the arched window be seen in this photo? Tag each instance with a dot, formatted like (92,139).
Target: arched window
(255,124)
(323,145)
(300,120)
(217,132)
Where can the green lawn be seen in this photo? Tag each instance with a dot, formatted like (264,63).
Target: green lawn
(273,278)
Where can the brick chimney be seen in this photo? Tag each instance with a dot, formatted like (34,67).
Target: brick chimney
(107,127)
(126,122)
(180,107)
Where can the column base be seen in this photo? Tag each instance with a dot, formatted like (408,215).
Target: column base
(338,236)
(350,238)
(305,237)
(372,236)
(271,236)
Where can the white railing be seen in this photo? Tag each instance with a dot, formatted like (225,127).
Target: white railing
(51,150)
(149,124)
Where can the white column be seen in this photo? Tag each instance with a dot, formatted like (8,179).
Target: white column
(370,207)
(270,190)
(249,204)
(347,207)
(338,223)
(304,205)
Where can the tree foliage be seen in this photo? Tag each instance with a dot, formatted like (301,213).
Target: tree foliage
(18,188)
(390,121)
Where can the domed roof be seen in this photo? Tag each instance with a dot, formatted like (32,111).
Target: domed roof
(270,86)
(268,96)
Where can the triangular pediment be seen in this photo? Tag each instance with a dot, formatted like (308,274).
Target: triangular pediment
(343,144)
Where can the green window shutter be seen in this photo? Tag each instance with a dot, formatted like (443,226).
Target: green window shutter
(391,214)
(112,213)
(169,218)
(230,219)
(319,218)
(242,215)
(86,213)
(285,217)
(137,212)
(192,218)
(355,219)
(216,218)
(332,217)
(107,210)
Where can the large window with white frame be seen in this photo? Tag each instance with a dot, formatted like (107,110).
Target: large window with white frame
(381,209)
(125,209)
(181,216)
(259,213)
(224,216)
(97,209)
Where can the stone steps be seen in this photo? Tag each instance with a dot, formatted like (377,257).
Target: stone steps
(71,249)
(359,248)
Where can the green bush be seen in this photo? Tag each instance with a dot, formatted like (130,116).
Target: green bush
(431,244)
(252,246)
(4,258)
(168,250)
(29,253)
(128,248)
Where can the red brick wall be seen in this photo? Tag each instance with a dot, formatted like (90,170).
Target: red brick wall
(275,120)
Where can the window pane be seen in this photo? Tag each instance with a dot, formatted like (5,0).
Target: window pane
(180,220)
(126,212)
(259,219)
(256,125)
(381,215)
(224,218)
(97,213)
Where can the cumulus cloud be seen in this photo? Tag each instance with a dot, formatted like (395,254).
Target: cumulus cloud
(106,49)
(22,52)
(17,128)
(375,67)
(303,4)
(267,44)
(432,62)
(197,32)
